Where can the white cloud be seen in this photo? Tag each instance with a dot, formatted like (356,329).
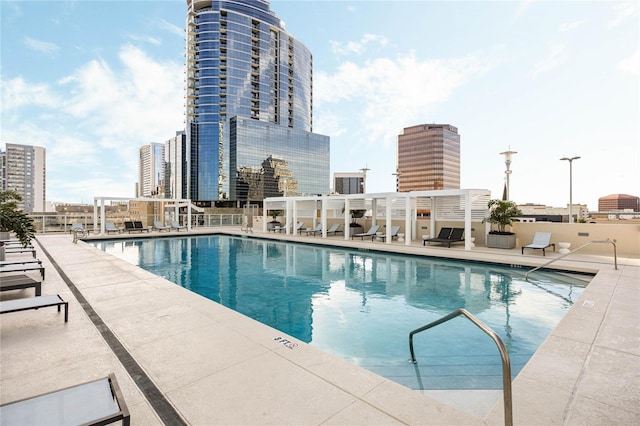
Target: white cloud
(622,12)
(168,26)
(93,122)
(388,92)
(357,47)
(631,64)
(40,46)
(570,26)
(17,93)
(146,39)
(554,58)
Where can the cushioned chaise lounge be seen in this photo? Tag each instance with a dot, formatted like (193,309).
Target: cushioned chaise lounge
(370,233)
(541,241)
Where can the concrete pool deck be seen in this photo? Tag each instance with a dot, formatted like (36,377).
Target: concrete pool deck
(180,358)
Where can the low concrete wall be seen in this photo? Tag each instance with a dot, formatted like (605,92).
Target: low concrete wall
(627,236)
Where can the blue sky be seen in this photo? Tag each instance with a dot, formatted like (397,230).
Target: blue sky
(92,81)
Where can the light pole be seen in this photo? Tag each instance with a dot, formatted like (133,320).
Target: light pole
(507,161)
(397,175)
(364,171)
(570,160)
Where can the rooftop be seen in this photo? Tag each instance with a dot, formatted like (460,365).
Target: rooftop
(181,358)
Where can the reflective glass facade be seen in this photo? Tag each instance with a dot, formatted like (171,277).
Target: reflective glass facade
(428,158)
(272,161)
(240,62)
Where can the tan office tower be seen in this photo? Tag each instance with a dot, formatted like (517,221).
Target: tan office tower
(428,158)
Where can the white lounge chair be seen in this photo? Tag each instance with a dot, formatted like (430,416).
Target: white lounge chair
(541,241)
(333,229)
(394,234)
(111,227)
(160,227)
(315,230)
(370,233)
(177,226)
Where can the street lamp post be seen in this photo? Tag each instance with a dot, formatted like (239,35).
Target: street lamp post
(570,160)
(397,175)
(364,171)
(507,162)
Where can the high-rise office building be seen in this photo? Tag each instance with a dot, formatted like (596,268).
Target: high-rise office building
(428,158)
(618,202)
(25,171)
(349,183)
(242,64)
(176,172)
(151,170)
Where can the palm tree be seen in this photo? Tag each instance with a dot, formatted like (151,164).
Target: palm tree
(502,213)
(14,220)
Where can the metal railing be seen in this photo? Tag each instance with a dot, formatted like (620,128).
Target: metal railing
(504,355)
(615,255)
(51,223)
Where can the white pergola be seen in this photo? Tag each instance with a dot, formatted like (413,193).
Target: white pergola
(175,204)
(463,205)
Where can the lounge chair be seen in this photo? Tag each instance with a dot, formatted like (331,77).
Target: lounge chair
(17,305)
(177,226)
(315,230)
(22,265)
(130,227)
(442,235)
(456,236)
(299,229)
(160,227)
(541,241)
(334,229)
(98,402)
(370,233)
(138,225)
(394,234)
(78,227)
(18,282)
(111,227)
(20,250)
(279,228)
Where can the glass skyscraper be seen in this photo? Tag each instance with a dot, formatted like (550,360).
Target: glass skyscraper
(241,64)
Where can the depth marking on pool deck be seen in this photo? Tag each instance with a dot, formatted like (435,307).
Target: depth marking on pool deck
(286,343)
(159,403)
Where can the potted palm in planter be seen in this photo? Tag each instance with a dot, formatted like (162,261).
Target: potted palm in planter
(274,222)
(14,220)
(501,214)
(354,226)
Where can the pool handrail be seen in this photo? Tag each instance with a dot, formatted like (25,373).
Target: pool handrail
(608,240)
(504,355)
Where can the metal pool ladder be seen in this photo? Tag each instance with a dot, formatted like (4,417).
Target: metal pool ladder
(504,354)
(615,255)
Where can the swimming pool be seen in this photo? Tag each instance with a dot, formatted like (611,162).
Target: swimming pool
(361,306)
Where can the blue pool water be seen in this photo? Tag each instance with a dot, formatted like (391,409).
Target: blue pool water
(361,306)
